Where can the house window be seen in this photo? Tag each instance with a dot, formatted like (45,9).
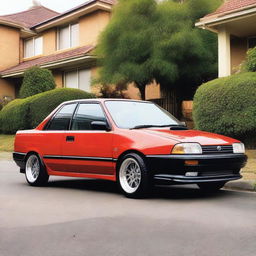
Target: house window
(68,36)
(78,79)
(33,47)
(251,42)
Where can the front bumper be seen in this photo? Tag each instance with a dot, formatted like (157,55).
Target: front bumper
(171,169)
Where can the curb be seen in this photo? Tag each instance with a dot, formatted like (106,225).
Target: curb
(241,185)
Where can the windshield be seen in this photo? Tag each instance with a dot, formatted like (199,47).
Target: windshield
(132,114)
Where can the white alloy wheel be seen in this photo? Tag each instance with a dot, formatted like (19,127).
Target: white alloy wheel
(32,169)
(130,175)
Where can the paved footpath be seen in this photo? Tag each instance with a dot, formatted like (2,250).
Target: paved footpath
(86,217)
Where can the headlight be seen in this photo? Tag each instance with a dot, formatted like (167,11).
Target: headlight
(187,148)
(238,148)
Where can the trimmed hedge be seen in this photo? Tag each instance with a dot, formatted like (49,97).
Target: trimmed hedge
(228,106)
(36,80)
(27,113)
(250,62)
(13,116)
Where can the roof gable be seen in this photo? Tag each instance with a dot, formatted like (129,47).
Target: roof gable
(232,6)
(39,15)
(73,10)
(30,17)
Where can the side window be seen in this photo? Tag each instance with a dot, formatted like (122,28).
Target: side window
(87,113)
(62,118)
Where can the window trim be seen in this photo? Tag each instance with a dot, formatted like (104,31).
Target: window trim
(77,77)
(45,128)
(69,36)
(33,49)
(95,103)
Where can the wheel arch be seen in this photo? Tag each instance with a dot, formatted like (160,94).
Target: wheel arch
(35,153)
(119,159)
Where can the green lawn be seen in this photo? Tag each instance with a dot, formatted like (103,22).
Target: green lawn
(6,143)
(249,172)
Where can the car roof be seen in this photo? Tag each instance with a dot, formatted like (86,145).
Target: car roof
(101,100)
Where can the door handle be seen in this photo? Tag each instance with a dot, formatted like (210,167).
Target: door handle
(70,138)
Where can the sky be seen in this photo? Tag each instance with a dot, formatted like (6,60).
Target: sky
(12,6)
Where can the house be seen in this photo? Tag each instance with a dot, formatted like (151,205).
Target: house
(61,42)
(234,22)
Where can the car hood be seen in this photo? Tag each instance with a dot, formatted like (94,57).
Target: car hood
(203,138)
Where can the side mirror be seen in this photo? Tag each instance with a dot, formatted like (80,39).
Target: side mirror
(100,125)
(183,124)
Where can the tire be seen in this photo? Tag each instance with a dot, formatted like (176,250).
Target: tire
(211,187)
(35,172)
(133,177)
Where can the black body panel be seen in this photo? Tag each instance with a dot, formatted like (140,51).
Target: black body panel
(20,160)
(210,168)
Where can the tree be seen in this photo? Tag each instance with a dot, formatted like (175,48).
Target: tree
(36,80)
(146,40)
(188,55)
(125,46)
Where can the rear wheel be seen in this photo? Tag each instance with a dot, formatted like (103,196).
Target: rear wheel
(133,177)
(35,172)
(211,187)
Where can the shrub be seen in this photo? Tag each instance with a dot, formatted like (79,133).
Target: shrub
(36,80)
(5,101)
(43,104)
(227,106)
(14,116)
(28,113)
(250,62)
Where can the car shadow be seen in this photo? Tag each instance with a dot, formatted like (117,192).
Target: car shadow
(158,192)
(86,184)
(180,192)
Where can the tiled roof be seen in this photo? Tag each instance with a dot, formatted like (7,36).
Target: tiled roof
(86,3)
(75,53)
(40,14)
(232,6)
(30,17)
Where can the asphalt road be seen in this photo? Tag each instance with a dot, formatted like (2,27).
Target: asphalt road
(86,217)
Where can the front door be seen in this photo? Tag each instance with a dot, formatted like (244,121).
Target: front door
(85,149)
(51,138)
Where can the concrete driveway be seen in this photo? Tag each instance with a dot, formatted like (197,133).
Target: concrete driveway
(86,217)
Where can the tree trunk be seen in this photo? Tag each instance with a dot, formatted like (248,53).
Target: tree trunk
(142,89)
(143,93)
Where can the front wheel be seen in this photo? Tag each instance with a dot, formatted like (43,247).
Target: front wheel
(133,177)
(35,172)
(211,187)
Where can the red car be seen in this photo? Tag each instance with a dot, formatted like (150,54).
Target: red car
(135,143)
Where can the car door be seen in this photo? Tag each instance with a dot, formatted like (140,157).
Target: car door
(85,149)
(51,137)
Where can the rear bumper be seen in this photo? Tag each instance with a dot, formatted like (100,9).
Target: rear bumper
(20,160)
(210,168)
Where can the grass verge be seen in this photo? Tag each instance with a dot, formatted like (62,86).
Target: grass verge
(6,143)
(249,171)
